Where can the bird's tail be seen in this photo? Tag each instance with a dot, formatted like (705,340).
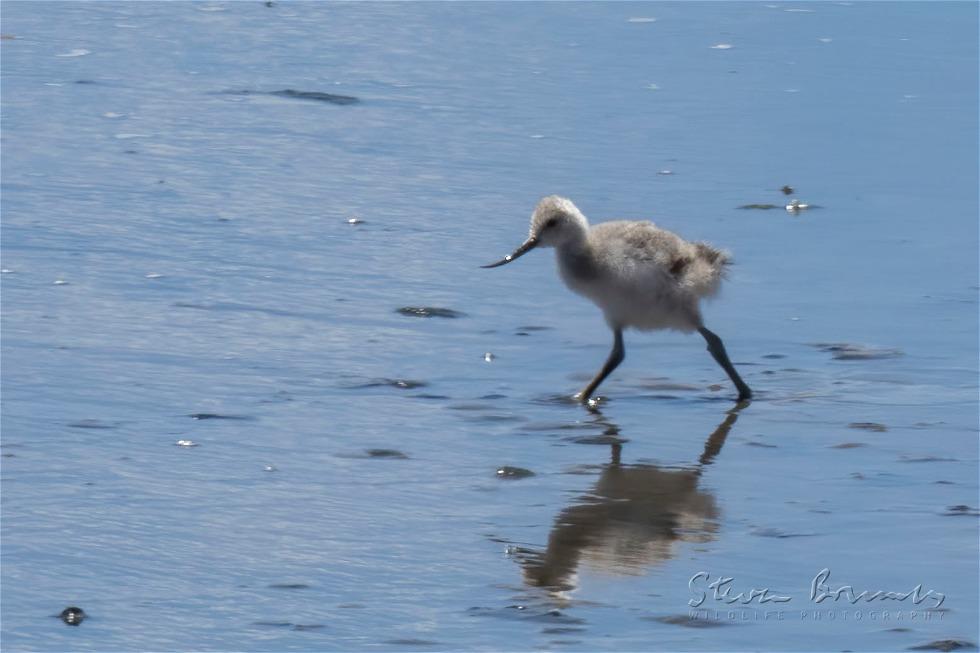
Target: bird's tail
(710,266)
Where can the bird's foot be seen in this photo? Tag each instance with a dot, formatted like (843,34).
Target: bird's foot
(587,400)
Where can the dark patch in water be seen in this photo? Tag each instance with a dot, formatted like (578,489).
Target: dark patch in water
(562,630)
(526,613)
(513,472)
(551,616)
(403,384)
(289,586)
(926,459)
(72,616)
(535,328)
(493,396)
(773,356)
(279,397)
(844,351)
(392,454)
(425,395)
(776,533)
(868,426)
(754,443)
(583,470)
(560,400)
(493,417)
(411,641)
(848,445)
(787,190)
(945,645)
(91,424)
(558,426)
(927,425)
(470,406)
(429,311)
(598,439)
(956,511)
(318,96)
(386,453)
(687,621)
(763,207)
(204,416)
(288,624)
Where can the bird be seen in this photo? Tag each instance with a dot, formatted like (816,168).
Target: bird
(640,276)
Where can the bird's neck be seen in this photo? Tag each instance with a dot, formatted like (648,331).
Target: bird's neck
(574,261)
(574,243)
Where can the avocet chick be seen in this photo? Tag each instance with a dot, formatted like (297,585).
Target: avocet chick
(641,276)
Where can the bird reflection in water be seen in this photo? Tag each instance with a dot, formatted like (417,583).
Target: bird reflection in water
(631,518)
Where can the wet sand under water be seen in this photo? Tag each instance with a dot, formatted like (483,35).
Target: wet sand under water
(257,394)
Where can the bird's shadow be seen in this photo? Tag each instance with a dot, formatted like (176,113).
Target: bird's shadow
(631,519)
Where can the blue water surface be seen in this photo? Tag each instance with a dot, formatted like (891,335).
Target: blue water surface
(180,265)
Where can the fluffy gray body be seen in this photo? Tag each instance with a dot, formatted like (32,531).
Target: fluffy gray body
(641,276)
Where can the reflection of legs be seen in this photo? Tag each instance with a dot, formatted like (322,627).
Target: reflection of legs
(712,447)
(717,350)
(615,358)
(615,453)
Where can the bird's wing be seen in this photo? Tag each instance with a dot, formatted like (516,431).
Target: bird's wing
(634,243)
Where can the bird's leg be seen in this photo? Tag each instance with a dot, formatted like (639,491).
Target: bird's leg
(717,350)
(615,358)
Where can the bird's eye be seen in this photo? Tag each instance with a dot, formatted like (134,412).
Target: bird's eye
(551,223)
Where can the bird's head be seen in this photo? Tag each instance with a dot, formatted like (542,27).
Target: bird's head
(555,222)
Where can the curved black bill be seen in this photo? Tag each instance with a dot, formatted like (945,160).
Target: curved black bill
(525,247)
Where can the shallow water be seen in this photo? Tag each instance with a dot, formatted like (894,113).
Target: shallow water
(261,275)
